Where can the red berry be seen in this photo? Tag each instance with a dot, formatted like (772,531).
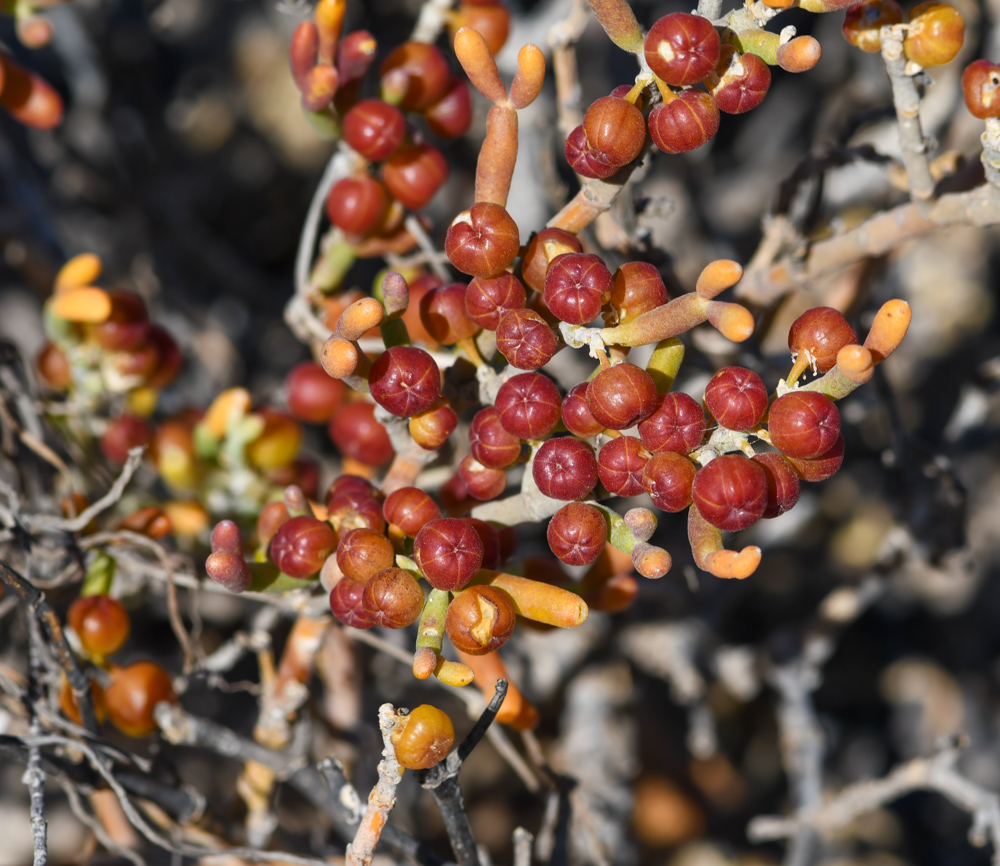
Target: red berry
(980,85)
(487,299)
(803,424)
(414,173)
(491,444)
(427,70)
(822,467)
(53,366)
(363,552)
(448,552)
(490,537)
(490,19)
(731,492)
(583,159)
(393,598)
(442,312)
(667,478)
(483,240)
(565,468)
(740,81)
(482,482)
(410,508)
(101,623)
(127,325)
(124,433)
(359,435)
(576,414)
(822,332)
(527,405)
(637,288)
(863,21)
(621,396)
(313,396)
(134,692)
(620,464)
(782,484)
(682,49)
(346,603)
(480,620)
(678,424)
(525,340)
(451,115)
(737,398)
(356,205)
(684,123)
(615,129)
(577,533)
(301,545)
(576,285)
(543,247)
(405,380)
(374,129)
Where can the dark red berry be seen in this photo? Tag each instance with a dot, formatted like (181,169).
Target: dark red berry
(301,545)
(525,339)
(565,468)
(577,533)
(491,444)
(346,603)
(374,129)
(782,484)
(622,395)
(682,49)
(487,299)
(678,424)
(410,508)
(821,333)
(737,398)
(620,464)
(803,424)
(731,492)
(576,414)
(448,552)
(576,285)
(483,240)
(405,380)
(667,477)
(615,129)
(527,405)
(684,123)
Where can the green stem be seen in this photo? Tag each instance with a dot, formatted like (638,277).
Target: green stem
(665,363)
(431,629)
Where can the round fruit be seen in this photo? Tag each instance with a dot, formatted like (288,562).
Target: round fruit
(451,115)
(621,396)
(487,299)
(101,623)
(482,482)
(301,545)
(980,85)
(863,22)
(356,205)
(410,508)
(637,288)
(620,464)
(782,484)
(414,173)
(427,70)
(821,332)
(577,533)
(737,398)
(359,435)
(740,81)
(363,552)
(405,380)
(483,240)
(443,314)
(803,424)
(313,396)
(543,247)
(491,444)
(935,34)
(346,603)
(565,468)
(678,424)
(134,692)
(682,49)
(423,738)
(684,123)
(576,285)
(731,492)
(576,414)
(525,340)
(374,129)
(822,467)
(480,619)
(448,552)
(667,478)
(615,129)
(583,159)
(393,598)
(527,405)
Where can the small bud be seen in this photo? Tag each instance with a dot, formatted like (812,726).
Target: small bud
(641,522)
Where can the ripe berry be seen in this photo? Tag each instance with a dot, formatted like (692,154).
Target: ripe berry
(451,115)
(356,205)
(431,428)
(480,620)
(525,340)
(637,288)
(731,492)
(668,478)
(169,358)
(684,123)
(53,366)
(583,159)
(740,81)
(489,535)
(576,285)
(359,435)
(803,424)
(351,485)
(313,396)
(393,598)
(565,468)
(442,312)
(491,444)
(410,508)
(821,332)
(737,398)
(980,83)
(782,484)
(487,299)
(935,34)
(127,325)
(374,129)
(577,533)
(682,49)
(270,518)
(423,738)
(448,552)
(346,603)
(229,570)
(543,247)
(863,22)
(134,692)
(822,467)
(124,433)
(576,414)
(527,406)
(482,240)
(414,173)
(620,464)
(101,623)
(427,70)
(363,552)
(301,545)
(405,380)
(678,424)
(621,396)
(482,482)
(615,129)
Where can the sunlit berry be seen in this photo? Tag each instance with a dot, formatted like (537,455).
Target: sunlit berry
(565,468)
(980,86)
(487,299)
(803,424)
(482,240)
(414,173)
(363,552)
(863,21)
(637,288)
(134,692)
(357,205)
(620,464)
(622,395)
(301,545)
(541,249)
(393,598)
(576,285)
(410,508)
(346,603)
(374,129)
(782,484)
(577,533)
(405,380)
(525,339)
(480,619)
(684,123)
(821,332)
(313,396)
(359,435)
(935,34)
(101,623)
(682,49)
(736,397)
(527,405)
(492,444)
(423,738)
(615,129)
(668,477)
(740,81)
(678,424)
(448,552)
(731,492)
(576,414)
(443,314)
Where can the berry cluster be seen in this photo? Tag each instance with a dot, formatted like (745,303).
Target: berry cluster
(934,32)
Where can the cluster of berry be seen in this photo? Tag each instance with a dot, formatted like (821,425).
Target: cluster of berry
(934,33)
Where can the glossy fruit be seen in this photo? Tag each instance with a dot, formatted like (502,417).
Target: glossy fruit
(423,738)
(482,240)
(451,115)
(393,598)
(678,424)
(565,468)
(301,545)
(667,477)
(621,396)
(374,129)
(731,492)
(431,428)
(636,288)
(427,74)
(615,129)
(346,603)
(577,533)
(151,521)
(347,513)
(682,49)
(101,623)
(363,552)
(541,248)
(313,396)
(405,380)
(134,692)
(491,444)
(480,619)
(863,21)
(124,433)
(443,314)
(353,485)
(620,464)
(357,434)
(357,205)
(448,552)
(126,327)
(482,482)
(583,159)
(782,484)
(576,285)
(410,508)
(414,173)
(527,405)
(576,414)
(822,332)
(525,339)
(822,467)
(270,518)
(803,424)
(935,34)
(740,81)
(980,84)
(487,299)
(737,398)
(684,123)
